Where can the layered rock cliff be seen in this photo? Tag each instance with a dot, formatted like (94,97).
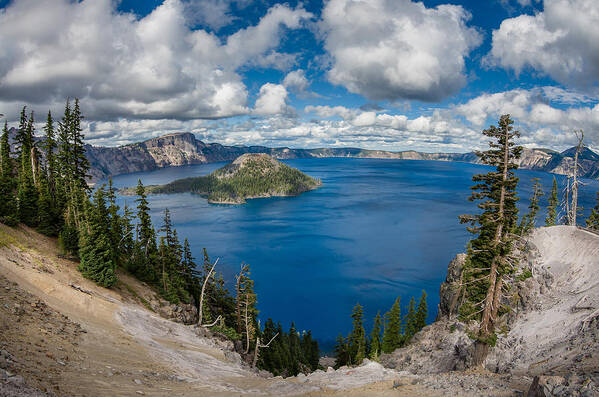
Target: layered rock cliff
(184,149)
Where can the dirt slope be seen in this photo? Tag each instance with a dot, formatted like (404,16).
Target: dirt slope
(62,335)
(66,336)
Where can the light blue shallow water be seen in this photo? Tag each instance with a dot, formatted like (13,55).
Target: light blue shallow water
(376,229)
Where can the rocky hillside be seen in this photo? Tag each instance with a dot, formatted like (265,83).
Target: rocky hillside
(551,333)
(62,335)
(250,176)
(184,148)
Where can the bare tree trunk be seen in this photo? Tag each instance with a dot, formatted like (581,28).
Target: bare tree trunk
(258,346)
(256,352)
(580,137)
(237,302)
(34,166)
(247,330)
(239,279)
(203,290)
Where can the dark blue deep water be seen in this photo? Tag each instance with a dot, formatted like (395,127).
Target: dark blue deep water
(376,229)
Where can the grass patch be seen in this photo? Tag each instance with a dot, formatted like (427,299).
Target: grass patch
(526,273)
(7,239)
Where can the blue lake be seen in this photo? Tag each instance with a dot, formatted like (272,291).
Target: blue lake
(376,229)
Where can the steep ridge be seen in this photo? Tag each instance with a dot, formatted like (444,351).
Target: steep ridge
(184,149)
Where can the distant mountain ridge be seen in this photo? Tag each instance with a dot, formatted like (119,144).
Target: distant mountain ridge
(185,149)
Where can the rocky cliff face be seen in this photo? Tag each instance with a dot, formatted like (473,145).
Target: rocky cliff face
(184,149)
(551,330)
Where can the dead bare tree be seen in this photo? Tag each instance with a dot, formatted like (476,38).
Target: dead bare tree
(238,284)
(219,318)
(260,346)
(247,329)
(574,207)
(203,290)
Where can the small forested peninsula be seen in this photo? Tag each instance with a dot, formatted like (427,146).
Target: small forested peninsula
(251,175)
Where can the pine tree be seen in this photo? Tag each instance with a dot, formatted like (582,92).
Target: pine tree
(189,266)
(357,338)
(80,165)
(126,243)
(7,180)
(50,146)
(375,337)
(410,327)
(20,138)
(421,313)
(64,160)
(49,219)
(310,351)
(116,224)
(246,301)
(392,336)
(170,252)
(342,355)
(27,195)
(145,252)
(489,254)
(551,219)
(593,221)
(295,351)
(46,211)
(529,220)
(96,253)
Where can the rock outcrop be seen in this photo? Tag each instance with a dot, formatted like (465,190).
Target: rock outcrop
(551,330)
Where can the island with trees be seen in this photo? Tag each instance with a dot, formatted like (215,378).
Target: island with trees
(251,175)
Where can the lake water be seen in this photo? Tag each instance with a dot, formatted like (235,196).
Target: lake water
(376,229)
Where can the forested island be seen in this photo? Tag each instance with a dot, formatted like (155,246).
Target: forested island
(251,175)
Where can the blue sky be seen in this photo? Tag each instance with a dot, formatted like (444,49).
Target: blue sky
(378,74)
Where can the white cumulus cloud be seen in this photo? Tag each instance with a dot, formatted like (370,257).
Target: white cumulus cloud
(561,42)
(272,100)
(123,66)
(397,49)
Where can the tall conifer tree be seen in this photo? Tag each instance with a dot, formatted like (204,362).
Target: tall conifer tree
(27,196)
(421,313)
(357,338)
(410,327)
(50,147)
(96,253)
(20,138)
(7,179)
(392,336)
(593,221)
(551,219)
(528,221)
(80,165)
(489,254)
(375,337)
